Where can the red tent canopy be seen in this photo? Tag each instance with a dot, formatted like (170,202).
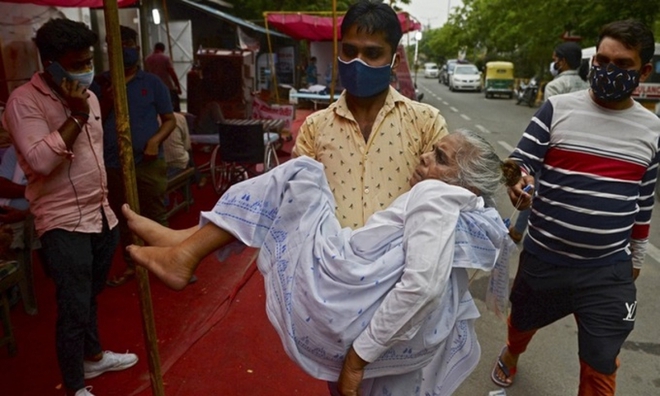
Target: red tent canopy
(319,28)
(71,3)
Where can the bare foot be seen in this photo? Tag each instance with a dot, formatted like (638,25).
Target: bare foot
(154,234)
(170,264)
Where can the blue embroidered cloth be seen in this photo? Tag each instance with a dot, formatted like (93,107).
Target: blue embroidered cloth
(396,289)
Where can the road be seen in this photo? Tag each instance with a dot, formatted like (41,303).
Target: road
(550,367)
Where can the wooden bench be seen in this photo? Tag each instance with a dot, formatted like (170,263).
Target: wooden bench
(180,181)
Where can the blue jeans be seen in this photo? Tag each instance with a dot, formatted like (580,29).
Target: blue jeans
(79,264)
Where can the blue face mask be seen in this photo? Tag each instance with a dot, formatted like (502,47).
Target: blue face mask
(131,56)
(85,78)
(611,83)
(362,80)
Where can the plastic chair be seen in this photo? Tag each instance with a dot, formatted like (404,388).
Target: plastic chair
(242,147)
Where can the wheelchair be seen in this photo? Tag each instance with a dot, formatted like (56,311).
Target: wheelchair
(244,151)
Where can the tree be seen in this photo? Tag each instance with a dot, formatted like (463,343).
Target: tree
(527,32)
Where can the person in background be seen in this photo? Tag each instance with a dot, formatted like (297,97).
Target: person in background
(14,211)
(176,147)
(161,65)
(151,122)
(311,72)
(328,76)
(565,68)
(595,153)
(206,123)
(370,139)
(14,208)
(55,124)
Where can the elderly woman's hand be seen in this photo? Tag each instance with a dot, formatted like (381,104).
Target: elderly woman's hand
(351,374)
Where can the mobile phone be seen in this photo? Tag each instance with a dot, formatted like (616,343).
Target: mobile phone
(58,73)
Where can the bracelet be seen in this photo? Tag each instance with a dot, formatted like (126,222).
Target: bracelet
(81,114)
(80,127)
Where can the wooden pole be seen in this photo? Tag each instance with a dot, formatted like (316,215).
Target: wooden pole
(111,10)
(273,76)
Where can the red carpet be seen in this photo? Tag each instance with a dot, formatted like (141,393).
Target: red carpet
(214,337)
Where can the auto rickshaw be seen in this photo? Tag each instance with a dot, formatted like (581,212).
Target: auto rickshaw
(498,79)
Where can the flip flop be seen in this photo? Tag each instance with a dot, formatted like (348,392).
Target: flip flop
(509,372)
(120,280)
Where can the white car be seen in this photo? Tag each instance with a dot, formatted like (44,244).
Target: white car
(465,77)
(431,70)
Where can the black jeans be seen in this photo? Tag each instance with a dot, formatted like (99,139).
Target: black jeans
(79,265)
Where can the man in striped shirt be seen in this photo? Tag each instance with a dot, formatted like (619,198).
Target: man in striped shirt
(596,154)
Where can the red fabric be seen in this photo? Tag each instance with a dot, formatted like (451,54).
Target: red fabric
(71,3)
(593,383)
(583,162)
(517,341)
(319,28)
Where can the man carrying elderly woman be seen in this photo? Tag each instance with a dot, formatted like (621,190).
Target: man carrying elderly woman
(385,306)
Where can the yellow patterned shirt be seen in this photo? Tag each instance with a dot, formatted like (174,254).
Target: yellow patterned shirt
(366,177)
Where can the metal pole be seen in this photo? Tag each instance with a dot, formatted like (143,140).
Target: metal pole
(111,10)
(335,50)
(448,9)
(415,59)
(166,17)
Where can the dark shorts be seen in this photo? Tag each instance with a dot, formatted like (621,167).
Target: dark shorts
(602,299)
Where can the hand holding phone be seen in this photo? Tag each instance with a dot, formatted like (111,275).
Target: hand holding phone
(74,94)
(58,73)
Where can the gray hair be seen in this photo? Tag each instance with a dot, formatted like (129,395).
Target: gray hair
(479,167)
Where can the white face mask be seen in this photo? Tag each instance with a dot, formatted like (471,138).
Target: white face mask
(553,69)
(85,78)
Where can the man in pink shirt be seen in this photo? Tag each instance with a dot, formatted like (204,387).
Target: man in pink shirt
(160,64)
(55,123)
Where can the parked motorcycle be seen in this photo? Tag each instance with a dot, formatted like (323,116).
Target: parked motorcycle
(527,92)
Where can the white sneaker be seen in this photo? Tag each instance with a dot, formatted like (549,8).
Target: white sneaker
(84,391)
(110,362)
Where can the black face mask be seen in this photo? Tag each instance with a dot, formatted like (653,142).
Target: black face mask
(131,56)
(611,83)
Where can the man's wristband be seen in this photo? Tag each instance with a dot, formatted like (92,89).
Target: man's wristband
(80,127)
